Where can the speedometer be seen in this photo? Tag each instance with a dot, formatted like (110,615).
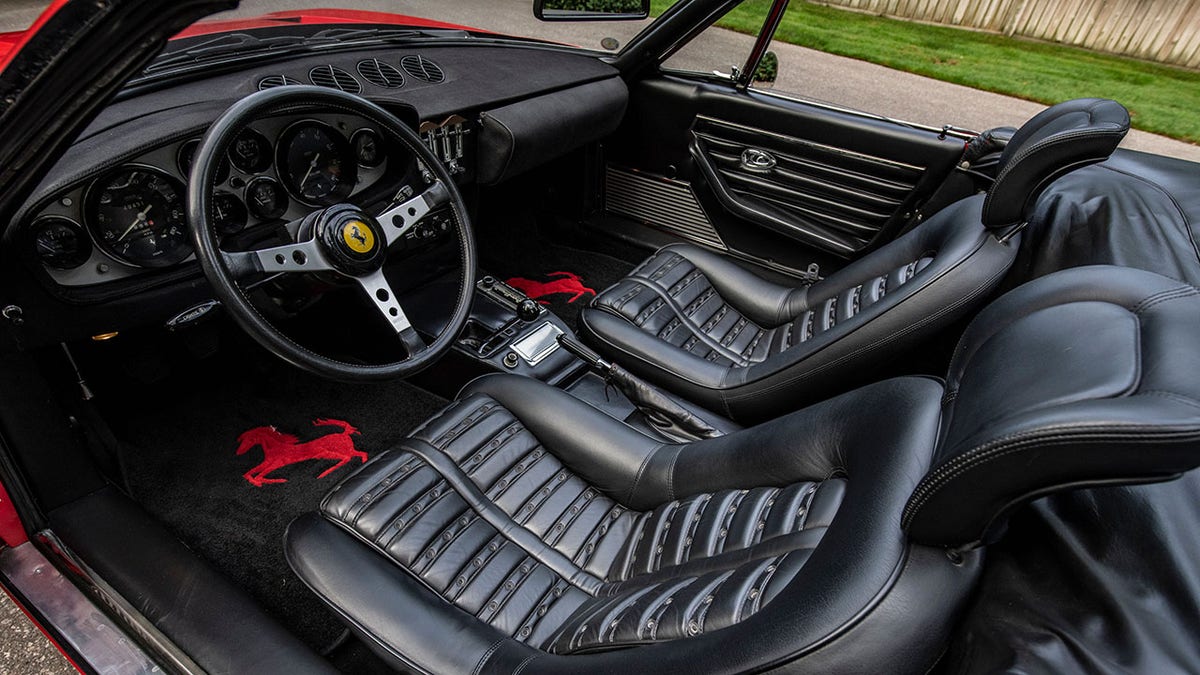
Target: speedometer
(316,163)
(137,216)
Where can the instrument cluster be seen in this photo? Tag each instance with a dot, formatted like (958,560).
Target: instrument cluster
(133,218)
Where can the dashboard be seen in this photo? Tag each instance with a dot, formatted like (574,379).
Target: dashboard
(103,241)
(132,218)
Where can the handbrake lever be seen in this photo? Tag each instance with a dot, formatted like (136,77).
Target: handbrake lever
(654,404)
(584,353)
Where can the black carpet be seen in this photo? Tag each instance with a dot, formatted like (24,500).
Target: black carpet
(541,262)
(180,441)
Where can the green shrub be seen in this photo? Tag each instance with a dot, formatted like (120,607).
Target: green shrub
(768,68)
(600,6)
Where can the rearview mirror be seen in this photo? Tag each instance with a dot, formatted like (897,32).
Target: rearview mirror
(591,10)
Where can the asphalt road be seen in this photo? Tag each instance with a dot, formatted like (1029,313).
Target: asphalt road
(23,648)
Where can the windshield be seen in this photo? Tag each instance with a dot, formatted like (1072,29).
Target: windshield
(505,17)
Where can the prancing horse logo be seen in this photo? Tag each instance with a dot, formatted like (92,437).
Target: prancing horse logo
(280,450)
(561,282)
(358,236)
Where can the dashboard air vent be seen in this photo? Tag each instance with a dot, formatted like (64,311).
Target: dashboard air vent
(422,69)
(276,81)
(334,78)
(381,74)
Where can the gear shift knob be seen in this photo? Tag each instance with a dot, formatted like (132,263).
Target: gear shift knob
(528,310)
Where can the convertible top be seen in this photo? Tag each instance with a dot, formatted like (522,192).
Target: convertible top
(1099,581)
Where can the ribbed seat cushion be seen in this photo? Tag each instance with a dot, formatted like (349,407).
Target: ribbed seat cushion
(501,529)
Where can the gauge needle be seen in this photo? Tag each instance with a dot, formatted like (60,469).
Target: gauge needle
(141,218)
(311,167)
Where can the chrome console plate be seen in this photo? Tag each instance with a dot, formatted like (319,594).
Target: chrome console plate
(539,344)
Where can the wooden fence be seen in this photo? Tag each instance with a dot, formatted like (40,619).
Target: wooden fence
(1167,31)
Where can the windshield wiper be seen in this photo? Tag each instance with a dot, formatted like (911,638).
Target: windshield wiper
(241,45)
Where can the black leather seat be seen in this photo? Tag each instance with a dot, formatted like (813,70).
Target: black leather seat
(701,325)
(520,530)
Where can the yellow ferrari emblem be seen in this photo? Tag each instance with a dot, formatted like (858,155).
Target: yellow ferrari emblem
(358,236)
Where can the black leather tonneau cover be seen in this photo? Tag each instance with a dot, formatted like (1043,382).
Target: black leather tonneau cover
(1102,580)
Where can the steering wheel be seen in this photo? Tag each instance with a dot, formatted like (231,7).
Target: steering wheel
(342,239)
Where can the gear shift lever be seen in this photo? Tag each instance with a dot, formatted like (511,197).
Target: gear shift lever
(528,310)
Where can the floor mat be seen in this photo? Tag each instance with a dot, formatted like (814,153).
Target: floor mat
(181,458)
(562,278)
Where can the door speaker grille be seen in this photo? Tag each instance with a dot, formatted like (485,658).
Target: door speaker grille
(666,204)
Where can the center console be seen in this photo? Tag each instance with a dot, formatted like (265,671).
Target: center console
(512,333)
(506,332)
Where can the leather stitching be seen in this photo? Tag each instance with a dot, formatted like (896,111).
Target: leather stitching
(638,476)
(487,655)
(1165,296)
(1055,435)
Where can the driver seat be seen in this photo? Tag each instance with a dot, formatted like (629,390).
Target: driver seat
(521,530)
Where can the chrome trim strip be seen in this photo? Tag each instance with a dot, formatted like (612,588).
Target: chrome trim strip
(812,144)
(950,130)
(94,637)
(129,618)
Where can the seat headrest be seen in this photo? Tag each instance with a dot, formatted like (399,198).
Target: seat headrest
(1057,140)
(1085,377)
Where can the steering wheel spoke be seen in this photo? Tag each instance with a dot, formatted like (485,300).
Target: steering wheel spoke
(380,291)
(398,219)
(304,256)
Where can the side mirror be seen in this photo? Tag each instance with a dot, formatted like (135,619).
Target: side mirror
(591,10)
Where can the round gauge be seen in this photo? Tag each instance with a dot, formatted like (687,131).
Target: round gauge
(187,152)
(316,163)
(228,213)
(61,243)
(266,199)
(368,148)
(137,215)
(250,152)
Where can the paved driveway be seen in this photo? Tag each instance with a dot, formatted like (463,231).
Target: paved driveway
(811,74)
(23,648)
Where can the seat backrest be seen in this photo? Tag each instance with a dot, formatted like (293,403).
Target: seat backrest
(1057,140)
(1085,377)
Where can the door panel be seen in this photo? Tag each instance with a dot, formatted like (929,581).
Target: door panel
(777,179)
(817,193)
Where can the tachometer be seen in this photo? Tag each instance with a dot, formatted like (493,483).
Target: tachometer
(60,243)
(137,215)
(316,163)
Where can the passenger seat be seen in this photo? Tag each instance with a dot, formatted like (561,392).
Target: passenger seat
(703,326)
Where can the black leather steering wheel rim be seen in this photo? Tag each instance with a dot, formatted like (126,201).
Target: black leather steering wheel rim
(216,265)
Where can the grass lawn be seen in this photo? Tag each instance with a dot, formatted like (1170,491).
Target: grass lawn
(1161,99)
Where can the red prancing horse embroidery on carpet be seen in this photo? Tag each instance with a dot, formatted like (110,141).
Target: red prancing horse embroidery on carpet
(280,450)
(565,283)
